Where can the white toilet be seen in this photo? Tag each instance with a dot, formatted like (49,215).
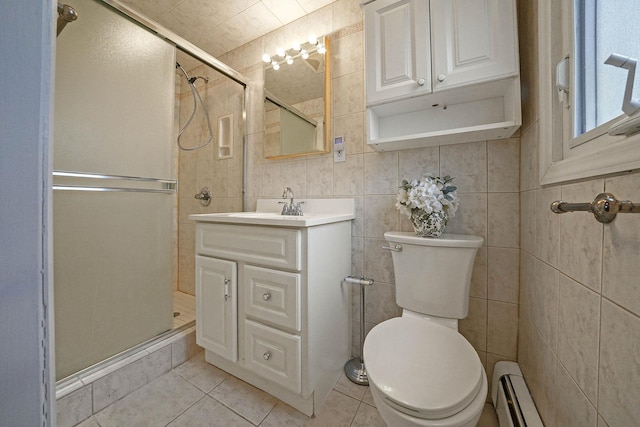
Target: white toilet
(422,371)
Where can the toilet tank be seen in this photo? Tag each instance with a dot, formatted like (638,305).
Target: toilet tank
(433,275)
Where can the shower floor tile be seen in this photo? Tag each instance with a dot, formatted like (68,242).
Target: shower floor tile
(184,304)
(198,394)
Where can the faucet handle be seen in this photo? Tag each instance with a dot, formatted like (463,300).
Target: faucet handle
(298,209)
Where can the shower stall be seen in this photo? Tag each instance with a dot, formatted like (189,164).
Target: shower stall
(117,207)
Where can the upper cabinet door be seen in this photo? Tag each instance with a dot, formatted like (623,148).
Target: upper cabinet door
(473,41)
(398,58)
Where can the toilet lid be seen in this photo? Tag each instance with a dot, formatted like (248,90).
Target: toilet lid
(424,369)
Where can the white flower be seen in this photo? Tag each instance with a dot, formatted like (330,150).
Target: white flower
(430,193)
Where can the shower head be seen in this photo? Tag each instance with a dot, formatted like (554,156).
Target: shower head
(66,14)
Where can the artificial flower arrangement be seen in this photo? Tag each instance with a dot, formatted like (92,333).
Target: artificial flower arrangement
(429,202)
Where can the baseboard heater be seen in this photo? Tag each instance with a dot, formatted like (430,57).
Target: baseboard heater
(511,398)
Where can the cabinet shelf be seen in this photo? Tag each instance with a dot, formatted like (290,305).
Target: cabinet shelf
(475,113)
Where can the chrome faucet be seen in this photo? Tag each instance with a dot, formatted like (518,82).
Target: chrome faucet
(290,208)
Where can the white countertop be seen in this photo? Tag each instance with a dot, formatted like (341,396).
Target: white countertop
(316,212)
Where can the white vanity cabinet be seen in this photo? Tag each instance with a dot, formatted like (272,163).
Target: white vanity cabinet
(271,307)
(440,72)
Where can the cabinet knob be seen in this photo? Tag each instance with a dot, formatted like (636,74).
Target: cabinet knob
(421,82)
(266,356)
(266,296)
(441,77)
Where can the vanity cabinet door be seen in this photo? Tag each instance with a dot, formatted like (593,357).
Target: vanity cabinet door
(216,306)
(397,55)
(473,41)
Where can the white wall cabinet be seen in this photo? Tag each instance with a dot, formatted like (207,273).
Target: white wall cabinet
(440,72)
(271,307)
(397,49)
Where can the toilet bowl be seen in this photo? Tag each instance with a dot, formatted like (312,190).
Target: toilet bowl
(422,371)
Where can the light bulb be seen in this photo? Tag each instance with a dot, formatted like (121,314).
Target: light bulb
(266,58)
(280,52)
(322,49)
(313,39)
(296,46)
(276,66)
(289,59)
(305,54)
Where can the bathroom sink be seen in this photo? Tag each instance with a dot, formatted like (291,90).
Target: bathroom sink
(316,212)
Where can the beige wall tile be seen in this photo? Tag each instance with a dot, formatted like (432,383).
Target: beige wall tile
(544,302)
(547,226)
(578,329)
(474,327)
(471,217)
(380,302)
(619,374)
(347,94)
(529,174)
(320,176)
(347,54)
(467,164)
(621,268)
(502,329)
(503,165)
(580,254)
(503,274)
(527,220)
(381,173)
(377,262)
(504,220)
(478,286)
(348,176)
(381,215)
(573,408)
(412,164)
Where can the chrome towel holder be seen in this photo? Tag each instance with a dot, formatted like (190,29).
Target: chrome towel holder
(604,207)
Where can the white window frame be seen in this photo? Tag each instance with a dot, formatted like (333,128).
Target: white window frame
(603,155)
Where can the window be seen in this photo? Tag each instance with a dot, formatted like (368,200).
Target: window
(600,29)
(575,143)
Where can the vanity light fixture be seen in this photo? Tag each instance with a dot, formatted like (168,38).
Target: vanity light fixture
(297,51)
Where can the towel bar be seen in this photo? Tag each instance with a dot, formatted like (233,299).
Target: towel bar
(604,207)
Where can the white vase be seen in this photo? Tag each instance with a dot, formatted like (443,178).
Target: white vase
(428,224)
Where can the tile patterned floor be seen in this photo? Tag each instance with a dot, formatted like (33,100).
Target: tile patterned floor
(198,394)
(184,304)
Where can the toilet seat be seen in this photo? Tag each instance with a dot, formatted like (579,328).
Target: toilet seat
(438,375)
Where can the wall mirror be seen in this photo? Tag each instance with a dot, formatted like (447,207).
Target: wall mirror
(297,100)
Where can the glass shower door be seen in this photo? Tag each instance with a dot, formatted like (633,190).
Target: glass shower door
(115,201)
